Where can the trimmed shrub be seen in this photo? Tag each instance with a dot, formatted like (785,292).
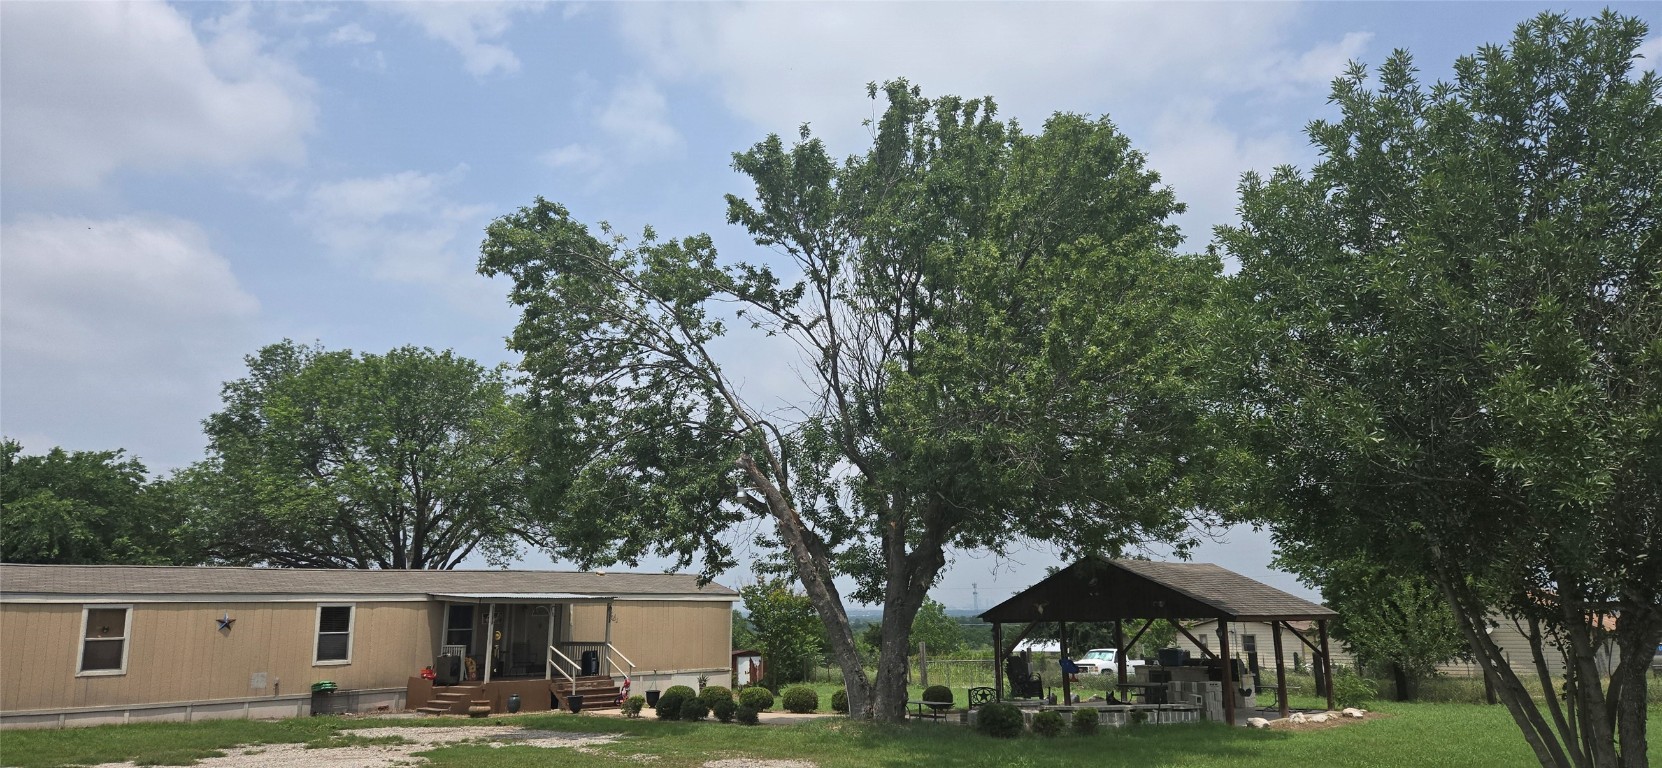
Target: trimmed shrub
(669,705)
(685,691)
(756,697)
(938,693)
(839,702)
(800,699)
(1085,722)
(747,715)
(724,709)
(714,693)
(1048,724)
(631,707)
(692,709)
(1001,721)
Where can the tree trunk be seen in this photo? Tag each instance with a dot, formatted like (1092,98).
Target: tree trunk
(808,560)
(1638,632)
(1469,616)
(1400,675)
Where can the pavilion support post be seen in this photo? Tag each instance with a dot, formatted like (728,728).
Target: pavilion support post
(1067,687)
(1327,661)
(998,661)
(1119,647)
(490,641)
(1280,669)
(1228,672)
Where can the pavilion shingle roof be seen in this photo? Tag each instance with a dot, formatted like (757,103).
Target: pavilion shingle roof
(1096,589)
(188,580)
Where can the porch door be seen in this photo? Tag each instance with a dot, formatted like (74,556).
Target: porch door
(525,638)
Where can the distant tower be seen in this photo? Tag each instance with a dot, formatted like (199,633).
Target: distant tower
(975,596)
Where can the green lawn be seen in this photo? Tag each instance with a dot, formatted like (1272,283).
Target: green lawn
(1407,734)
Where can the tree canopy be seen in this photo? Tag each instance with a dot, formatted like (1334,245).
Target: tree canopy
(334,460)
(994,337)
(1449,338)
(89,507)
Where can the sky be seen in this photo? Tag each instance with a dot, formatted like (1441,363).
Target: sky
(181,184)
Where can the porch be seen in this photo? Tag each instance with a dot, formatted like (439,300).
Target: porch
(494,646)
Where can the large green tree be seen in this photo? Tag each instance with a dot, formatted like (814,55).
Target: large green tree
(89,507)
(327,459)
(1450,332)
(993,337)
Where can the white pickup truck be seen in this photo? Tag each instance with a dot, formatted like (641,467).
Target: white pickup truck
(1103,661)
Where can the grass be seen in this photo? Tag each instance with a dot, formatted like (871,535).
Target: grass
(1409,734)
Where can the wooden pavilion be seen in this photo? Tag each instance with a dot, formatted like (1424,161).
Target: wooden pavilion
(1100,590)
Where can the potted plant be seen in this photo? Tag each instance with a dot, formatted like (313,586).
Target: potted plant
(652,695)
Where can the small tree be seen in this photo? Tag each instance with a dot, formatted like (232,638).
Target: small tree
(786,629)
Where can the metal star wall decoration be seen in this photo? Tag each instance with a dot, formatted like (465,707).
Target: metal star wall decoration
(225,621)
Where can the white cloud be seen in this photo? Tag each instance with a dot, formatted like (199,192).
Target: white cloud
(92,88)
(351,34)
(403,227)
(473,29)
(1651,50)
(115,331)
(575,157)
(1150,67)
(1202,161)
(633,127)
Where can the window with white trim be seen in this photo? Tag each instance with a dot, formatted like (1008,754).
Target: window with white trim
(334,633)
(104,630)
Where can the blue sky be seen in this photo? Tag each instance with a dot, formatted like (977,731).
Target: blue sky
(181,184)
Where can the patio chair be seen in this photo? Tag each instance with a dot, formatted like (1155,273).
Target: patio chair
(1024,684)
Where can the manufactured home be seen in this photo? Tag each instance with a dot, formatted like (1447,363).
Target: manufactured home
(116,644)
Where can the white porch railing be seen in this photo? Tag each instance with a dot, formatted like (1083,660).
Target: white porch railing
(552,652)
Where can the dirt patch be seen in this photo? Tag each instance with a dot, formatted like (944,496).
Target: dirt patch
(393,755)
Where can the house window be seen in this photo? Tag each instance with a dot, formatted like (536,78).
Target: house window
(1249,643)
(104,631)
(334,634)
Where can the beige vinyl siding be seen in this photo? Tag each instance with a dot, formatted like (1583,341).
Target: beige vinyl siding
(178,653)
(662,634)
(1290,644)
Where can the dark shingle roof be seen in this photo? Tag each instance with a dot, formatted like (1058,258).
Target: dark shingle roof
(1095,589)
(185,580)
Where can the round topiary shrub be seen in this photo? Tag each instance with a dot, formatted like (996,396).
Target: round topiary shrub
(800,699)
(714,693)
(631,707)
(938,693)
(747,715)
(724,709)
(999,720)
(685,691)
(839,702)
(692,709)
(756,697)
(669,705)
(1085,722)
(1048,724)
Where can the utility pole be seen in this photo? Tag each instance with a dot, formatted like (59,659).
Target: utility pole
(975,597)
